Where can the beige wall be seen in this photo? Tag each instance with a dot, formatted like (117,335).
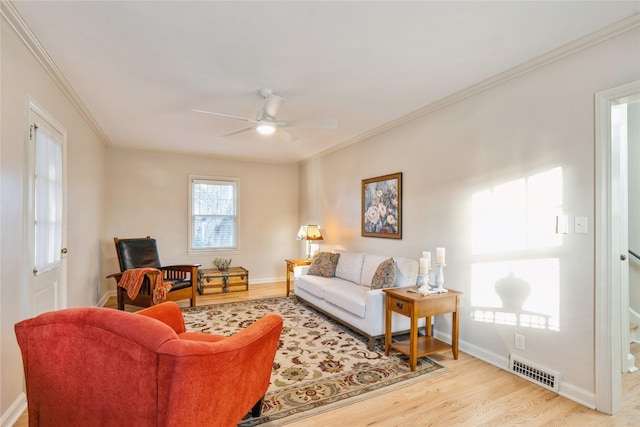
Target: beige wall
(23,76)
(149,193)
(518,129)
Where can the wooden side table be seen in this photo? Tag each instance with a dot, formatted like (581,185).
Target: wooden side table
(291,264)
(416,306)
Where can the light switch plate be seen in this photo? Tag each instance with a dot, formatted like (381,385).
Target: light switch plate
(581,225)
(519,338)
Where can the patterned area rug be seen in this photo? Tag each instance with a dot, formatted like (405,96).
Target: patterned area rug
(319,365)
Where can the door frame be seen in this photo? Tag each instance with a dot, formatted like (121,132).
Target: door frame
(610,301)
(32,106)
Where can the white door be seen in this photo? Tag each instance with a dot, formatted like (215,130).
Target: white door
(612,272)
(46,218)
(620,218)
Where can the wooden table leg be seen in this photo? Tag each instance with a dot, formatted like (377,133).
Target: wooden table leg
(387,328)
(455,329)
(413,343)
(288,279)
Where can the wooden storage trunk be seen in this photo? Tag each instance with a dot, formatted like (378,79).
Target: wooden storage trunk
(233,279)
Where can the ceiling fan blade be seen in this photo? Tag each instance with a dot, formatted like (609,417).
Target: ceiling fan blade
(272,104)
(285,136)
(317,123)
(239,130)
(225,115)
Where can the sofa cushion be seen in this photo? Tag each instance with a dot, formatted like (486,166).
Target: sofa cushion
(385,275)
(406,272)
(324,264)
(350,266)
(352,300)
(369,267)
(315,285)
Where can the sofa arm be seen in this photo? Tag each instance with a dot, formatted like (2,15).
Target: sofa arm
(376,313)
(375,303)
(300,270)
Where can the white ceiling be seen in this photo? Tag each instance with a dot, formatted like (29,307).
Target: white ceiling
(141,67)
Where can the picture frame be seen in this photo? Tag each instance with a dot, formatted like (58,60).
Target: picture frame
(382,206)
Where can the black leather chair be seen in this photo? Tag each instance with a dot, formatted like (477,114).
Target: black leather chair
(143,253)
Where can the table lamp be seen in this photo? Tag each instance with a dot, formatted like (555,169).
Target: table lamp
(309,233)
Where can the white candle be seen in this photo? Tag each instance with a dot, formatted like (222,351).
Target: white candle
(424,266)
(440,256)
(427,255)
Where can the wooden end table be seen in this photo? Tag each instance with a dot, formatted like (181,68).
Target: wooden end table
(416,306)
(291,264)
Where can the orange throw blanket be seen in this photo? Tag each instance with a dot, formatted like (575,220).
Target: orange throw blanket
(132,279)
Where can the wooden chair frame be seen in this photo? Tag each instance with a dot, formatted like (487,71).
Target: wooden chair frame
(170,273)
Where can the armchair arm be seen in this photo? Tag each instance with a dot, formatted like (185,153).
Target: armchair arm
(180,272)
(188,268)
(146,333)
(152,276)
(167,312)
(233,373)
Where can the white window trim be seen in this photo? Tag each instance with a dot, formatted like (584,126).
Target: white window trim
(190,249)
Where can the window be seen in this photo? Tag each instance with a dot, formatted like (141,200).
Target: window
(47,199)
(213,213)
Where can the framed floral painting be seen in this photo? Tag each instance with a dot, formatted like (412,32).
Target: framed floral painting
(382,206)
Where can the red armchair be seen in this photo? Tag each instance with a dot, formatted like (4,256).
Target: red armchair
(99,366)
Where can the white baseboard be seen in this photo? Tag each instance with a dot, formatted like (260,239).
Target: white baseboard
(112,293)
(267,280)
(578,394)
(568,390)
(105,297)
(17,408)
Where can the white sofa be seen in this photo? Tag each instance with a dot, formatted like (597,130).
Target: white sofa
(348,298)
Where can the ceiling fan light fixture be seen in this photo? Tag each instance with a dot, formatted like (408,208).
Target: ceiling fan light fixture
(266,122)
(265,128)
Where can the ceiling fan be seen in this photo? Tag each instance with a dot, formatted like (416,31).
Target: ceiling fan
(266,123)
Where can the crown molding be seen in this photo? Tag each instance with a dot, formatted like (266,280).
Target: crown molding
(568,49)
(13,18)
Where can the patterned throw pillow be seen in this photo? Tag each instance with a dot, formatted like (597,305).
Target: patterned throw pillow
(324,264)
(385,275)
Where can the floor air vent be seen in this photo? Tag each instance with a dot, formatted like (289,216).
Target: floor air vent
(536,374)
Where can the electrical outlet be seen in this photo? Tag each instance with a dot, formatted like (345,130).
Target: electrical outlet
(520,341)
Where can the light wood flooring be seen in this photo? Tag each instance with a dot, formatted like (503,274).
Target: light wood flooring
(473,393)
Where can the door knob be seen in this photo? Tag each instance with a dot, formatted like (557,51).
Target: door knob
(63,250)
(623,257)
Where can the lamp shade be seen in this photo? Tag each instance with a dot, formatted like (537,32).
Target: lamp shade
(302,233)
(309,232)
(313,232)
